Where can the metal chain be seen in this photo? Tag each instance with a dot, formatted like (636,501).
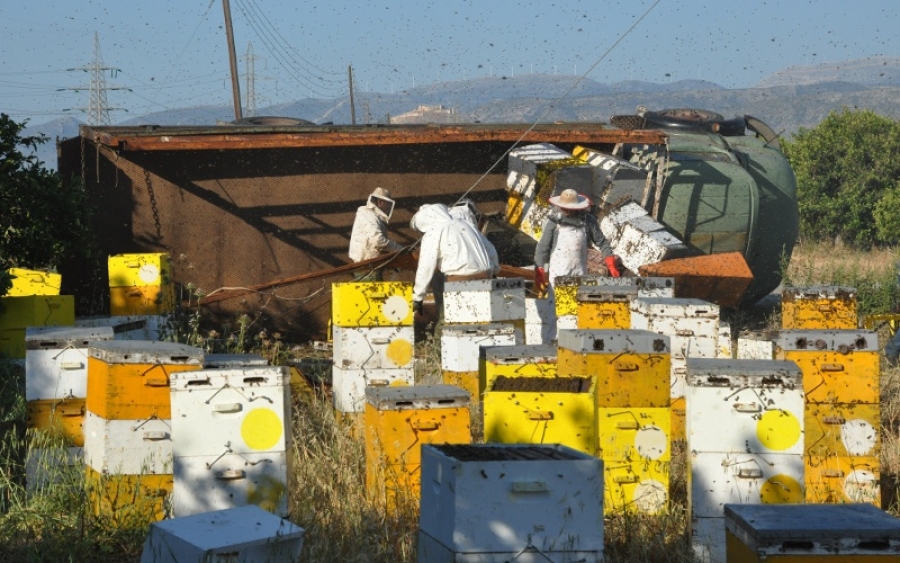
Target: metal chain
(83,168)
(153,206)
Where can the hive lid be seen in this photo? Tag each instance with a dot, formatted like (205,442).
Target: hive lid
(606,292)
(515,452)
(529,353)
(600,341)
(818,292)
(675,306)
(233,360)
(56,337)
(487,329)
(145,352)
(728,371)
(495,284)
(843,341)
(403,397)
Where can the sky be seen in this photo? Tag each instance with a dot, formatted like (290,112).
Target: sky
(168,54)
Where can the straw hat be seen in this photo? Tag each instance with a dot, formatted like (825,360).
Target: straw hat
(570,199)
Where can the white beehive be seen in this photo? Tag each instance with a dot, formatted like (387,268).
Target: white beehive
(540,321)
(128,447)
(685,317)
(726,350)
(216,361)
(612,223)
(753,406)
(129,327)
(638,246)
(491,499)
(227,480)
(756,345)
(56,360)
(235,410)
(484,301)
(377,347)
(240,535)
(524,163)
(461,344)
(348,386)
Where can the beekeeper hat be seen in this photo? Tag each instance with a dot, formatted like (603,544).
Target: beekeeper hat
(570,199)
(384,195)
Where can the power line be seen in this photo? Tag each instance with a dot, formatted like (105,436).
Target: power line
(98,109)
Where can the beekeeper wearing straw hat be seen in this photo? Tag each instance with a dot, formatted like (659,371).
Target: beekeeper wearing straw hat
(562,250)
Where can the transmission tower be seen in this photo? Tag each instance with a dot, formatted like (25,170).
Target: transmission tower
(98,109)
(250,66)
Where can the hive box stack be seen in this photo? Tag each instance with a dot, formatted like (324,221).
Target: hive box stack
(461,351)
(372,330)
(745,437)
(692,326)
(565,294)
(398,421)
(537,172)
(20,312)
(56,361)
(232,438)
(800,533)
(247,533)
(568,288)
(140,284)
(819,308)
(127,428)
(841,378)
(631,369)
(549,500)
(638,239)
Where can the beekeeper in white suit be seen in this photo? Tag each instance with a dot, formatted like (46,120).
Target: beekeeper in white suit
(369,237)
(453,248)
(465,210)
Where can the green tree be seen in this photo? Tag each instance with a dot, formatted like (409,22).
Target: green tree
(42,222)
(844,167)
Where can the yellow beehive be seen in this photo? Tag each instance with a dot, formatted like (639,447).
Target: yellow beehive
(130,379)
(138,270)
(840,366)
(535,360)
(34,282)
(361,304)
(398,420)
(632,367)
(566,290)
(634,434)
(605,306)
(467,380)
(12,343)
(37,310)
(514,208)
(636,486)
(141,300)
(129,500)
(843,430)
(58,417)
(822,308)
(840,479)
(542,410)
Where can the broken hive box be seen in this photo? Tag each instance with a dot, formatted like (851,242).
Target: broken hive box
(718,278)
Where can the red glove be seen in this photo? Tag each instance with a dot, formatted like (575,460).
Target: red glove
(612,264)
(540,280)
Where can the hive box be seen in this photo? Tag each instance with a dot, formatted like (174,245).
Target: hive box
(129,327)
(377,347)
(56,360)
(818,307)
(34,282)
(356,304)
(484,301)
(461,344)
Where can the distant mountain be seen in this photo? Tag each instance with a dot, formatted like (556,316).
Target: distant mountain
(795,97)
(61,128)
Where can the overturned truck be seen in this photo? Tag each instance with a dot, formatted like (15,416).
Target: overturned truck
(258,218)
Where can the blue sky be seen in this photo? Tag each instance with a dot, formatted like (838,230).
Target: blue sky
(173,54)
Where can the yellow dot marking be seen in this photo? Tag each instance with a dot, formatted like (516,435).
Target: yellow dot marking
(781,489)
(778,430)
(400,352)
(261,429)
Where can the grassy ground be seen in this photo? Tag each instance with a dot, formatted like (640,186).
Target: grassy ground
(328,496)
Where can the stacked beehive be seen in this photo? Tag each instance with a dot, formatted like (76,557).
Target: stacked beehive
(140,284)
(127,428)
(398,421)
(841,377)
(638,239)
(23,311)
(372,330)
(745,436)
(232,429)
(632,423)
(603,296)
(510,503)
(692,326)
(55,392)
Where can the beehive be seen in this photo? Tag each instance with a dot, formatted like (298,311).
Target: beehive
(548,497)
(349,385)
(839,479)
(604,306)
(819,308)
(379,347)
(33,282)
(843,429)
(56,360)
(141,300)
(363,304)
(225,360)
(631,366)
(635,486)
(140,270)
(756,345)
(542,410)
(398,421)
(517,361)
(130,379)
(58,417)
(128,447)
(484,301)
(129,500)
(540,321)
(565,292)
(36,310)
(129,327)
(797,533)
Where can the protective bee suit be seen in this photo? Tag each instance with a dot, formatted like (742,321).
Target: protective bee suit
(453,248)
(369,237)
(466,211)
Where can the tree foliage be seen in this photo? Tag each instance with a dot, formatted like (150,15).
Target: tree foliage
(845,168)
(42,222)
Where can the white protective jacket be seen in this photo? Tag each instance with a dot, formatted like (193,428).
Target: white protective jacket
(464,214)
(452,247)
(369,237)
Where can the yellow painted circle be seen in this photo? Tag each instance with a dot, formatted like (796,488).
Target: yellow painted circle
(781,489)
(778,430)
(261,429)
(399,352)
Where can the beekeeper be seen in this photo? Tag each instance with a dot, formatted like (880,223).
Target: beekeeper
(466,211)
(369,237)
(450,250)
(567,232)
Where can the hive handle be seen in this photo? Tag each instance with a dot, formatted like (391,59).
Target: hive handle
(230,474)
(529,487)
(749,473)
(227,407)
(540,415)
(626,367)
(630,478)
(156,381)
(684,332)
(832,473)
(747,407)
(832,367)
(71,365)
(154,435)
(834,420)
(426,425)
